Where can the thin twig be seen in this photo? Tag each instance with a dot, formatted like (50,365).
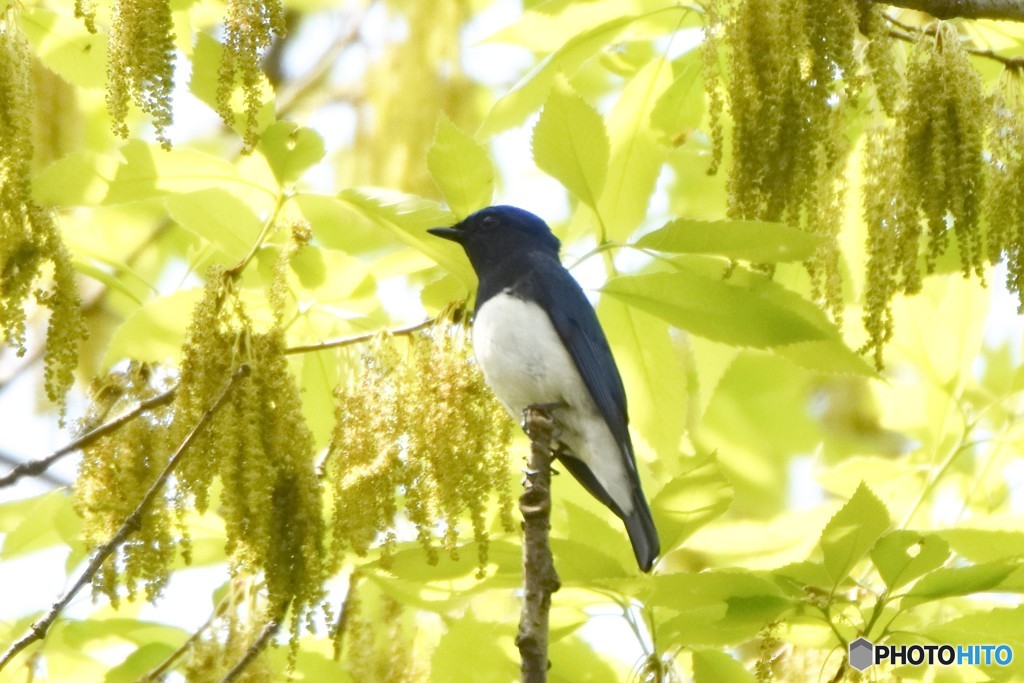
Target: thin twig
(37,467)
(166,665)
(348,341)
(540,579)
(908,33)
(1009,10)
(259,645)
(131,524)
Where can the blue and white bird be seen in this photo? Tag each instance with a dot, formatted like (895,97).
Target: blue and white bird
(538,341)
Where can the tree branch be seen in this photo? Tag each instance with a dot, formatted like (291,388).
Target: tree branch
(540,579)
(909,34)
(133,522)
(348,341)
(37,467)
(258,646)
(1010,10)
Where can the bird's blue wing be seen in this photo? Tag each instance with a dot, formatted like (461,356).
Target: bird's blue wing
(576,323)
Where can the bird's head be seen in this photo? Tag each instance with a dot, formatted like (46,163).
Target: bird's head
(491,235)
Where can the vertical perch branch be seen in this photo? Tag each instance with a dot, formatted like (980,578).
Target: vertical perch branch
(539,577)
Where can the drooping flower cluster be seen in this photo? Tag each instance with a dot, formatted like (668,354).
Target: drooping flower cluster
(115,473)
(249,28)
(140,70)
(422,429)
(925,182)
(29,237)
(941,164)
(257,445)
(793,70)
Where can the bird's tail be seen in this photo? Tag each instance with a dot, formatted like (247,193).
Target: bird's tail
(642,534)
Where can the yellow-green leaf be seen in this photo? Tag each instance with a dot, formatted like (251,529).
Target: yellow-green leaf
(756,241)
(462,169)
(852,532)
(571,145)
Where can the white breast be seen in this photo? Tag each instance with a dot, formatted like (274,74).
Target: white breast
(525,363)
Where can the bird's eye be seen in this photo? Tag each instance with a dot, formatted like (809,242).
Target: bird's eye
(490,221)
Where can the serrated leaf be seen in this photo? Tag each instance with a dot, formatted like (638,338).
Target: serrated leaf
(75,180)
(852,532)
(290,150)
(338,225)
(717,607)
(143,660)
(693,497)
(652,371)
(219,217)
(65,46)
(461,168)
(528,94)
(636,155)
(713,666)
(407,218)
(149,171)
(738,313)
(902,556)
(35,523)
(985,545)
(155,332)
(991,626)
(955,581)
(756,241)
(472,647)
(688,591)
(680,108)
(570,144)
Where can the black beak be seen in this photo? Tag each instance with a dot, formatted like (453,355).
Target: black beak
(453,234)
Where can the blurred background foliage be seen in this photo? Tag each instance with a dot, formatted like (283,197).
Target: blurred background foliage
(802,225)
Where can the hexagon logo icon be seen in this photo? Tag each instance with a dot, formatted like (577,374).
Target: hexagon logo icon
(862,654)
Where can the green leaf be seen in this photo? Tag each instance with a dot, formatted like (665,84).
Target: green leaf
(680,108)
(219,217)
(528,94)
(35,523)
(570,144)
(717,607)
(149,171)
(750,313)
(985,545)
(606,554)
(144,659)
(689,591)
(954,581)
(65,46)
(462,169)
(999,625)
(155,332)
(471,649)
(902,556)
(652,371)
(693,497)
(338,225)
(636,154)
(290,150)
(75,180)
(407,218)
(713,666)
(578,662)
(756,241)
(852,532)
